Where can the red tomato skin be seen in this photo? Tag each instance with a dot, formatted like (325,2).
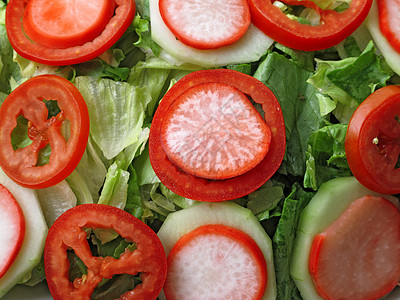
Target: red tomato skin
(19,165)
(374,165)
(10,201)
(67,232)
(337,26)
(118,24)
(201,189)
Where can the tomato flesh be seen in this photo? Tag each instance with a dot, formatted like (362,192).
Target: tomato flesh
(213,131)
(68,232)
(206,24)
(373,141)
(202,189)
(33,50)
(12,229)
(358,256)
(26,100)
(215,262)
(66,23)
(333,28)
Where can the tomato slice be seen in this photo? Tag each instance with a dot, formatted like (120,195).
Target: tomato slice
(373,141)
(66,32)
(388,11)
(233,141)
(203,189)
(68,232)
(66,23)
(12,229)
(358,256)
(206,24)
(216,262)
(333,28)
(26,100)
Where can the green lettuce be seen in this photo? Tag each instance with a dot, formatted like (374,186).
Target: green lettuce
(116,111)
(349,81)
(326,156)
(283,241)
(299,103)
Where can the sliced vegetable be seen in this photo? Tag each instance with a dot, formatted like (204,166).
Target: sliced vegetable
(216,262)
(331,201)
(12,229)
(206,24)
(333,26)
(68,232)
(250,47)
(372,141)
(31,251)
(66,32)
(28,101)
(55,25)
(392,56)
(388,11)
(183,222)
(358,257)
(198,188)
(233,141)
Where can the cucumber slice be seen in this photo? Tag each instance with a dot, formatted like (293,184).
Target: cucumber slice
(325,207)
(35,235)
(250,47)
(181,222)
(391,56)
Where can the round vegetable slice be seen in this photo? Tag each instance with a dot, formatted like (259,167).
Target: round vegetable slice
(27,100)
(250,47)
(229,214)
(55,24)
(372,141)
(31,252)
(216,262)
(388,11)
(198,188)
(12,225)
(333,26)
(339,265)
(109,32)
(68,232)
(233,141)
(333,198)
(206,24)
(372,24)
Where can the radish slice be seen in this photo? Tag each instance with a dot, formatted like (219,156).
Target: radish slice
(216,262)
(206,24)
(12,229)
(66,23)
(358,256)
(213,131)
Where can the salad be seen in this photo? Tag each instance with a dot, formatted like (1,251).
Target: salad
(116,173)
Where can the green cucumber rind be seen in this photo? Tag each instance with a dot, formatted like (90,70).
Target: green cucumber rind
(325,207)
(250,47)
(35,235)
(230,214)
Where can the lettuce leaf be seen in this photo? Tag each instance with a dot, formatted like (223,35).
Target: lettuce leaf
(283,241)
(299,103)
(326,156)
(116,111)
